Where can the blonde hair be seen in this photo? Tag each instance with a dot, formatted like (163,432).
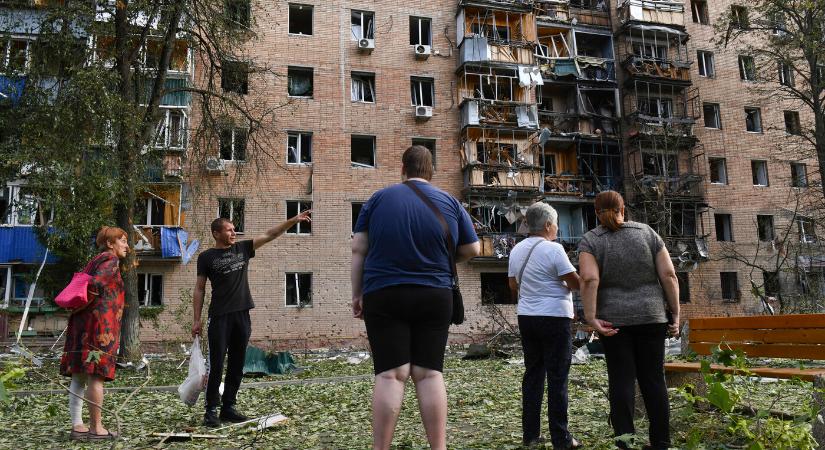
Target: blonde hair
(609,205)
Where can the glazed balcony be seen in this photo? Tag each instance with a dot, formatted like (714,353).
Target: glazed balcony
(491,113)
(652,11)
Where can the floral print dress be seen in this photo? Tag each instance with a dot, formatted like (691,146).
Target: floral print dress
(93,336)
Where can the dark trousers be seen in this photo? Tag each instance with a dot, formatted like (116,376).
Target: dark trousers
(227,334)
(638,353)
(548,344)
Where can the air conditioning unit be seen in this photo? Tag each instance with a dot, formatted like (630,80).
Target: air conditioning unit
(215,165)
(423,51)
(366,45)
(423,112)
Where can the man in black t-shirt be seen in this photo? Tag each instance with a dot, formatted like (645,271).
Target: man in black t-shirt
(229,327)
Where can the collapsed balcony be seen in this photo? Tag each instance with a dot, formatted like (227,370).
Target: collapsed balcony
(565,53)
(497,97)
(661,109)
(652,11)
(681,224)
(655,51)
(571,111)
(670,173)
(581,168)
(499,159)
(158,217)
(495,32)
(584,12)
(499,223)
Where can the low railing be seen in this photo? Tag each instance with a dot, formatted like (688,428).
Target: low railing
(653,11)
(480,176)
(657,68)
(497,113)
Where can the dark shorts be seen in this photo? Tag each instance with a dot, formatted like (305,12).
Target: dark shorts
(408,324)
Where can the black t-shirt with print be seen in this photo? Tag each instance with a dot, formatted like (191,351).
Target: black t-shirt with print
(226,269)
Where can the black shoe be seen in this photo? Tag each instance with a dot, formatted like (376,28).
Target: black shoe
(230,414)
(573,444)
(210,418)
(535,443)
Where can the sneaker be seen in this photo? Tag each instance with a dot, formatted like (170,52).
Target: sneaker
(230,414)
(210,418)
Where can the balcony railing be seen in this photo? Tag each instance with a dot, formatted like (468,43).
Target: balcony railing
(564,124)
(497,113)
(498,176)
(657,68)
(480,49)
(580,67)
(680,185)
(652,11)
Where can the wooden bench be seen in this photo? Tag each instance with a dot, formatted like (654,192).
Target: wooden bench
(794,336)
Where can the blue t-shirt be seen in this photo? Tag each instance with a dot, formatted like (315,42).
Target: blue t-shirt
(407,244)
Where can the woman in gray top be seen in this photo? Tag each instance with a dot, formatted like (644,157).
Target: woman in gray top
(626,278)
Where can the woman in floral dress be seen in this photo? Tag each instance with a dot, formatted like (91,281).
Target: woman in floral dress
(93,335)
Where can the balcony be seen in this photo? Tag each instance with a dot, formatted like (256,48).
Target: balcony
(491,113)
(497,246)
(163,243)
(483,176)
(585,12)
(480,49)
(20,245)
(652,11)
(656,52)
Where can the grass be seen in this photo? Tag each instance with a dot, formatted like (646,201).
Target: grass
(484,409)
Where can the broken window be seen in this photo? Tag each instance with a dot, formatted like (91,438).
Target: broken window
(711,113)
(300,19)
(785,74)
(778,22)
(730,285)
(718,170)
(299,147)
(650,50)
(759,170)
(429,143)
(799,175)
(420,31)
(700,11)
(747,68)
(171,130)
(233,144)
(150,289)
(298,289)
(362,151)
(362,25)
(684,287)
(807,230)
(235,77)
(232,209)
(14,55)
(753,120)
(594,45)
(22,208)
(495,289)
(792,125)
(299,82)
(660,164)
(293,208)
(706,64)
(764,225)
(739,17)
(724,227)
(656,107)
(356,211)
(363,87)
(150,211)
(772,284)
(491,31)
(422,91)
(21,278)
(238,13)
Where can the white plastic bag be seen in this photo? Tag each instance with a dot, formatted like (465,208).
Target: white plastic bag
(195,383)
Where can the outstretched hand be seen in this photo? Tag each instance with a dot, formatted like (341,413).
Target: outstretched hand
(304,216)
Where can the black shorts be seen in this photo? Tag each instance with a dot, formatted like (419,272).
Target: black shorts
(408,324)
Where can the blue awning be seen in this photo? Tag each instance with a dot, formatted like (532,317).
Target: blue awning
(20,245)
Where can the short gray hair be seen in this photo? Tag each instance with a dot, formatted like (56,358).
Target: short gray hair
(538,214)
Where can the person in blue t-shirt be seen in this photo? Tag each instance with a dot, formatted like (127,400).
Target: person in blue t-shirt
(402,288)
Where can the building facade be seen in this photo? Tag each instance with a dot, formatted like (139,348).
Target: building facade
(520,101)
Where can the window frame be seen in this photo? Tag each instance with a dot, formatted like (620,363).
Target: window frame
(805,224)
(5,294)
(702,59)
(353,215)
(6,57)
(311,19)
(295,277)
(755,164)
(417,86)
(739,17)
(233,201)
(502,288)
(148,278)
(702,17)
(424,141)
(418,21)
(786,75)
(717,114)
(19,201)
(246,22)
(371,25)
(794,175)
(295,70)
(236,69)
(746,62)
(374,141)
(724,166)
(163,129)
(796,123)
(234,132)
(725,225)
(367,78)
(733,277)
(299,207)
(758,122)
(298,135)
(759,228)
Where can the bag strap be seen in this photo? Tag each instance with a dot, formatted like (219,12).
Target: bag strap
(524,266)
(95,262)
(443,221)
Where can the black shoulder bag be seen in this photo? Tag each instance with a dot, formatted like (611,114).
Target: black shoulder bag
(458,301)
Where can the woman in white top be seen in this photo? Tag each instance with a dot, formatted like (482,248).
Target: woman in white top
(543,276)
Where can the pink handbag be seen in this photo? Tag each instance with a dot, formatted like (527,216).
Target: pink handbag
(76,294)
